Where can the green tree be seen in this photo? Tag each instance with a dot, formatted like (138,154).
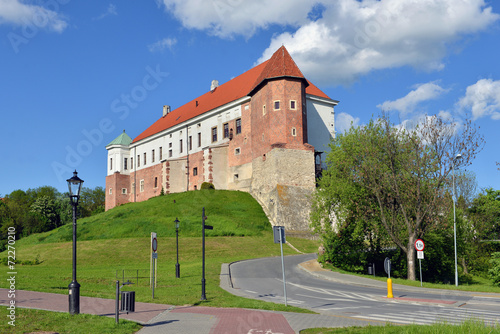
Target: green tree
(91,201)
(395,176)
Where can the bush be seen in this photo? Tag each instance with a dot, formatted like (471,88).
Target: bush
(494,272)
(207,185)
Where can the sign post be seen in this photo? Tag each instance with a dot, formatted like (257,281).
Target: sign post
(419,246)
(153,264)
(279,237)
(387,268)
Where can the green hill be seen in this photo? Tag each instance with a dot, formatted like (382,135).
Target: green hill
(117,243)
(232,213)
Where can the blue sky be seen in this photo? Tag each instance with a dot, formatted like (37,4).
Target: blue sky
(75,74)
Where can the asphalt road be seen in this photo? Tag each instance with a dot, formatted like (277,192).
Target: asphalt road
(263,279)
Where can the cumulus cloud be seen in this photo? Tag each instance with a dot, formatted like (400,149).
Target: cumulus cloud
(162,44)
(19,13)
(408,103)
(483,99)
(344,121)
(336,41)
(227,18)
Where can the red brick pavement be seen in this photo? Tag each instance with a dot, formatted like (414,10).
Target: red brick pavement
(244,321)
(89,305)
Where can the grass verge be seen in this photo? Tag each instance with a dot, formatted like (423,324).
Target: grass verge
(30,320)
(475,327)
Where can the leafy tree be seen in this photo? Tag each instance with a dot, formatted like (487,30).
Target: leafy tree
(91,201)
(394,176)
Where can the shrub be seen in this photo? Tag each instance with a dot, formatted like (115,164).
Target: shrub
(207,185)
(494,272)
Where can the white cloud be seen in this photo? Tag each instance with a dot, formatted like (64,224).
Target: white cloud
(162,44)
(111,10)
(344,121)
(483,99)
(354,38)
(408,103)
(226,18)
(336,41)
(21,14)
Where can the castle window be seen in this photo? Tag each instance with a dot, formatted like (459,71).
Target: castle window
(190,143)
(111,191)
(226,130)
(144,158)
(125,163)
(195,171)
(236,176)
(276,105)
(152,155)
(294,132)
(169,145)
(238,126)
(264,109)
(161,152)
(138,160)
(180,146)
(156,182)
(142,186)
(110,163)
(293,105)
(237,151)
(199,139)
(132,163)
(169,153)
(214,134)
(124,191)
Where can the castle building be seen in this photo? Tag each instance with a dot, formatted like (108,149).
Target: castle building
(262,132)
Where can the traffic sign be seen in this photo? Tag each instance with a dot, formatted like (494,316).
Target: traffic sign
(154,244)
(420,255)
(387,266)
(419,245)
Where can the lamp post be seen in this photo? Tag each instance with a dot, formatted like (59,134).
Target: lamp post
(74,186)
(177,265)
(457,157)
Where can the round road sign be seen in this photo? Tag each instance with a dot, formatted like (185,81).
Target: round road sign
(419,245)
(154,244)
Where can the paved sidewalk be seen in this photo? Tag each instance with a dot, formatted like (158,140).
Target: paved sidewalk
(161,318)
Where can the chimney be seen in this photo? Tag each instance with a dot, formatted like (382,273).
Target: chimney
(215,84)
(166,110)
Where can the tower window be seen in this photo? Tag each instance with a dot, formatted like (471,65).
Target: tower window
(293,105)
(226,130)
(214,134)
(294,132)
(238,126)
(276,105)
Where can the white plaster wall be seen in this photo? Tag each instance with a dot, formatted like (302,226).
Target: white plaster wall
(320,123)
(118,153)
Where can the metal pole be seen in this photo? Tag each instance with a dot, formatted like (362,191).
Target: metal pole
(454,223)
(420,262)
(203,296)
(117,302)
(74,286)
(177,266)
(154,278)
(283,264)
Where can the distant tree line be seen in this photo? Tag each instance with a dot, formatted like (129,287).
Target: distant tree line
(43,209)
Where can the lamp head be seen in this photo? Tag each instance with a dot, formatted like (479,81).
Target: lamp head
(75,187)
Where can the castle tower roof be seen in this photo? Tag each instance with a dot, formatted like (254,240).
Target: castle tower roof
(279,65)
(123,139)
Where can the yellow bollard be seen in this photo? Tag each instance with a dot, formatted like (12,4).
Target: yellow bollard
(389,288)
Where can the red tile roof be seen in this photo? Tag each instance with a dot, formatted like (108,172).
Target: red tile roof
(280,64)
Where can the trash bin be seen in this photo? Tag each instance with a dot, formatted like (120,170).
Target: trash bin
(370,269)
(128,301)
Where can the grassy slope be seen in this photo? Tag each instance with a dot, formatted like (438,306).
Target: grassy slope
(120,239)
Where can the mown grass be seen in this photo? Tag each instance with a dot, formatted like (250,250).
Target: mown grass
(475,327)
(232,213)
(30,321)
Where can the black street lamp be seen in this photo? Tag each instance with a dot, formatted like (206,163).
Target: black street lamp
(204,227)
(75,186)
(177,265)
